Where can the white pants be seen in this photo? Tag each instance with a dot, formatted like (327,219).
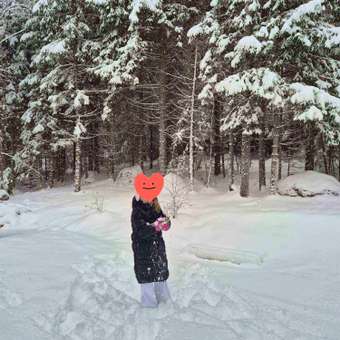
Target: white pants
(153,293)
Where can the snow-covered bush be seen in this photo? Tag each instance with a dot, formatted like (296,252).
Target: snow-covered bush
(4,195)
(174,194)
(97,202)
(126,176)
(308,184)
(90,179)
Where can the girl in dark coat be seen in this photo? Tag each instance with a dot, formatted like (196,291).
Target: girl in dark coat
(151,264)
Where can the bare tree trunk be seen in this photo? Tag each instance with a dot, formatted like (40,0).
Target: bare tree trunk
(222,159)
(61,165)
(245,165)
(339,162)
(324,155)
(96,155)
(162,117)
(232,160)
(210,164)
(331,166)
(217,137)
(2,160)
(77,172)
(289,162)
(310,146)
(280,161)
(280,148)
(151,148)
(262,157)
(51,170)
(275,155)
(191,138)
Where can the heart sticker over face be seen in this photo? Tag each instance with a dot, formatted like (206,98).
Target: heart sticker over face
(149,187)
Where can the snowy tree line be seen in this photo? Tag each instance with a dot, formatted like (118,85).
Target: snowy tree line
(204,87)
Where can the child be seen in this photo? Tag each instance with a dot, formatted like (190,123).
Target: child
(151,264)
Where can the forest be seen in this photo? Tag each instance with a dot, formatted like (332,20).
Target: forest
(202,88)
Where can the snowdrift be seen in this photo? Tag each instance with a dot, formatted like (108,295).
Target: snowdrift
(309,184)
(233,256)
(174,182)
(4,195)
(126,176)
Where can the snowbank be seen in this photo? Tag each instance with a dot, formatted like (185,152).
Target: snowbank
(234,256)
(174,194)
(308,184)
(174,182)
(4,195)
(126,176)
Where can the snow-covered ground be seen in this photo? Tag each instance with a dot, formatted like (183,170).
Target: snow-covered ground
(250,269)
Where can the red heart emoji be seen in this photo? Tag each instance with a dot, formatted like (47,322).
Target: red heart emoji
(149,187)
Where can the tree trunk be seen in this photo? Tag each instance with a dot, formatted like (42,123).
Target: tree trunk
(339,162)
(324,154)
(77,172)
(245,165)
(209,169)
(232,160)
(151,148)
(61,165)
(310,146)
(217,137)
(2,160)
(51,170)
(331,166)
(275,155)
(191,138)
(262,158)
(280,161)
(162,117)
(96,154)
(223,162)
(289,161)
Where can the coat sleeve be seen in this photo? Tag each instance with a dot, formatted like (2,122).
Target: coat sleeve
(163,215)
(140,228)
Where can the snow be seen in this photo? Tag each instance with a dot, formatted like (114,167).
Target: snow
(333,37)
(53,48)
(3,195)
(309,183)
(126,176)
(262,82)
(311,114)
(98,2)
(37,6)
(27,36)
(263,268)
(137,5)
(249,43)
(297,14)
(195,31)
(81,99)
(79,129)
(305,94)
(38,129)
(172,180)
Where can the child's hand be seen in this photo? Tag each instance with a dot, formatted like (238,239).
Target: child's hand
(158,225)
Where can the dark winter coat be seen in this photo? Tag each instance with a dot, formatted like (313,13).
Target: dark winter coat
(151,264)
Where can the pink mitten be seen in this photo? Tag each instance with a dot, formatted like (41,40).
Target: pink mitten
(158,225)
